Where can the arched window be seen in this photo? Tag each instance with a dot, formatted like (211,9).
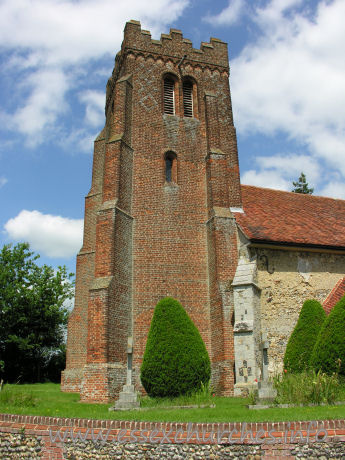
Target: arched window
(170,167)
(187,98)
(169,96)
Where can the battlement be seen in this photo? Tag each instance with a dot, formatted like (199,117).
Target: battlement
(175,45)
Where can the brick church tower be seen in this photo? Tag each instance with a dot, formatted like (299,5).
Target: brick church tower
(157,218)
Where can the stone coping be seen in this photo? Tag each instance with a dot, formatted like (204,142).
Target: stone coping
(59,438)
(40,420)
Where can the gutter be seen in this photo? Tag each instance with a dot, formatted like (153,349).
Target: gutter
(287,246)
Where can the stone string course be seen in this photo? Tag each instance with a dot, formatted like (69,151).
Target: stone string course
(36,437)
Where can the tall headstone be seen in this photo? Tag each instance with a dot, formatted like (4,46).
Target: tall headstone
(266,392)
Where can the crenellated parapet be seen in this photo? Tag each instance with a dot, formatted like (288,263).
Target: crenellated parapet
(175,46)
(171,49)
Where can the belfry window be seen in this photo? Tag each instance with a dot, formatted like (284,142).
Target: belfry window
(169,96)
(170,167)
(187,98)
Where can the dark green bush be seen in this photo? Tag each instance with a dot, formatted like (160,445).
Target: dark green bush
(303,337)
(175,361)
(329,352)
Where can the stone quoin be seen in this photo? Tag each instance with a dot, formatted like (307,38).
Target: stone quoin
(166,216)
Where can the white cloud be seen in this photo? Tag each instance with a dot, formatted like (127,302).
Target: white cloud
(66,31)
(94,101)
(229,15)
(280,171)
(3,181)
(53,236)
(291,165)
(334,189)
(291,80)
(80,140)
(265,178)
(274,13)
(46,102)
(53,42)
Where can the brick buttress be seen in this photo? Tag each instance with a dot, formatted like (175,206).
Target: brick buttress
(157,218)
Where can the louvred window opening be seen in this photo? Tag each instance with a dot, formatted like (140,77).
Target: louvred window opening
(188,99)
(169,98)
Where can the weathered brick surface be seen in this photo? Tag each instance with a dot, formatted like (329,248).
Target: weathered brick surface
(78,321)
(51,438)
(153,238)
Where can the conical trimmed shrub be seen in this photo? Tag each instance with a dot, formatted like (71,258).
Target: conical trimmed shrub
(175,360)
(329,351)
(302,340)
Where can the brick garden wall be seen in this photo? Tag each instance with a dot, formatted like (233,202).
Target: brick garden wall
(50,438)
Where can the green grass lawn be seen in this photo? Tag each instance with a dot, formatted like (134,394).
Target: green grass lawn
(47,399)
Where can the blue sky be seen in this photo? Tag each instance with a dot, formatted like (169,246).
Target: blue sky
(287,81)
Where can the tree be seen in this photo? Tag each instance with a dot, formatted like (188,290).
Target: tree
(303,337)
(301,186)
(329,352)
(175,360)
(33,316)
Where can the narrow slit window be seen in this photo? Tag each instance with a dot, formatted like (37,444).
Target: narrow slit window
(188,99)
(170,167)
(169,96)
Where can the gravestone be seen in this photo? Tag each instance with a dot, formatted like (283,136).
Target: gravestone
(128,398)
(266,392)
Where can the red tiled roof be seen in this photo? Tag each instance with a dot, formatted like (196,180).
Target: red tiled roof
(334,296)
(273,216)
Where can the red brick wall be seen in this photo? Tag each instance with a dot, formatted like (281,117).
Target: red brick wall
(153,238)
(275,438)
(78,321)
